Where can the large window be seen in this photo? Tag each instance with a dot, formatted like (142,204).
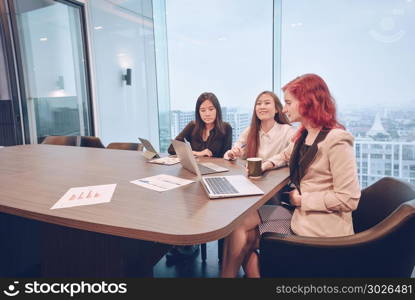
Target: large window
(53,58)
(364,49)
(224,47)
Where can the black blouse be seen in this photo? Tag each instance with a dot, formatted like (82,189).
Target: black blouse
(217,142)
(303,155)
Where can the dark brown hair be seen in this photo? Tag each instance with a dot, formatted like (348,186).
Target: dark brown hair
(199,124)
(253,135)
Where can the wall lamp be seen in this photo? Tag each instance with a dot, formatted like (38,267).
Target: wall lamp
(60,83)
(127,77)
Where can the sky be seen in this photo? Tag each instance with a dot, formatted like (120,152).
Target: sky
(364,49)
(218,46)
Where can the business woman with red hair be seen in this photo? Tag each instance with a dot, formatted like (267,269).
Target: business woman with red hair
(323,177)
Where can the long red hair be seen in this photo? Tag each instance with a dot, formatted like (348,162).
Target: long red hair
(316,103)
(253,135)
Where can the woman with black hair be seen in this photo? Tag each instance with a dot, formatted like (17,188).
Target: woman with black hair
(208,135)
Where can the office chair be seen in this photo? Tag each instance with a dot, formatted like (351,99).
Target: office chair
(60,140)
(125,146)
(383,246)
(90,141)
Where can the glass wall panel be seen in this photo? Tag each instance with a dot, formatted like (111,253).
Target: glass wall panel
(162,67)
(364,49)
(4,84)
(53,58)
(123,38)
(7,126)
(224,47)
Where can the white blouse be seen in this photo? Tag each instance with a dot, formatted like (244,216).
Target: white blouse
(271,143)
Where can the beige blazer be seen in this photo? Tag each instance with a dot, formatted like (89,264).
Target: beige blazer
(330,188)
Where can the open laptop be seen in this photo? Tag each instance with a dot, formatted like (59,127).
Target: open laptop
(204,168)
(215,186)
(151,152)
(154,157)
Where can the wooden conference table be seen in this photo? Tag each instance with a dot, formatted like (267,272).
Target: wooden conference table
(124,237)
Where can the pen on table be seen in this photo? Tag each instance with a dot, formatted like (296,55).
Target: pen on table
(171,182)
(148,182)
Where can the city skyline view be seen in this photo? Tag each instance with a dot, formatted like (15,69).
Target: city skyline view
(384,139)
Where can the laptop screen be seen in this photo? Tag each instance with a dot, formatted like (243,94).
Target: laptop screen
(147,145)
(185,154)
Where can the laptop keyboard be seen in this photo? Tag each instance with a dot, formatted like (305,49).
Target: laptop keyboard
(220,185)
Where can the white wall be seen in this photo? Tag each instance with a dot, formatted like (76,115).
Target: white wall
(122,37)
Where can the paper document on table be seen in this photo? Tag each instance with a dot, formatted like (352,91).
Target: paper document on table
(86,195)
(165,161)
(161,182)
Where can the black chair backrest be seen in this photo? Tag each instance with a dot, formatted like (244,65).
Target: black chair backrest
(379,200)
(60,140)
(125,146)
(90,141)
